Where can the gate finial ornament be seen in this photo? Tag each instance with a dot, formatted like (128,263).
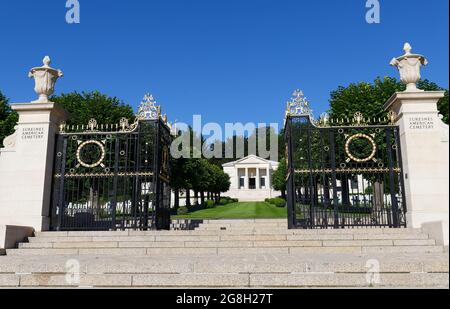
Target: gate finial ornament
(148,110)
(45,79)
(409,67)
(358,118)
(298,105)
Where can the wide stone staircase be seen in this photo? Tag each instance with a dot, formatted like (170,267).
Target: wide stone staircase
(229,253)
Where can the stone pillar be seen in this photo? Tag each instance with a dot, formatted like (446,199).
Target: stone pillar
(424,142)
(26,162)
(26,166)
(258,179)
(246,180)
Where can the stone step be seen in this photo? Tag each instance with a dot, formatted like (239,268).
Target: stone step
(234,232)
(237,222)
(200,249)
(225,237)
(316,280)
(225,244)
(242,226)
(237,280)
(243,221)
(404,263)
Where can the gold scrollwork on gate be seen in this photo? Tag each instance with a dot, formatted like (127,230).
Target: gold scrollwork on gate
(369,138)
(100,160)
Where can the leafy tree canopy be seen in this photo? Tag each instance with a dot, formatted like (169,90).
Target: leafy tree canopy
(8,119)
(369,98)
(87,105)
(279,176)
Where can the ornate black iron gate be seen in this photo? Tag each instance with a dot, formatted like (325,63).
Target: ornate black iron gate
(112,177)
(343,175)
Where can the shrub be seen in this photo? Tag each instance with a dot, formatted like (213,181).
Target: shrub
(182,211)
(224,201)
(231,200)
(279,202)
(210,204)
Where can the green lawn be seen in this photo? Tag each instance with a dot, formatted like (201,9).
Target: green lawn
(250,210)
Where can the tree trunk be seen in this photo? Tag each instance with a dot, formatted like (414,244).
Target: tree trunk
(316,192)
(283,194)
(196,198)
(326,192)
(299,195)
(176,198)
(188,198)
(345,192)
(202,198)
(94,198)
(378,195)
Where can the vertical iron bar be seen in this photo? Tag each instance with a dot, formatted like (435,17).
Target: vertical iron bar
(115,182)
(136,195)
(62,184)
(55,182)
(334,179)
(394,203)
(157,206)
(325,180)
(290,185)
(401,174)
(312,195)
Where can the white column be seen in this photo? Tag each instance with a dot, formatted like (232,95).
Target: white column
(238,179)
(26,166)
(268,183)
(246,181)
(258,179)
(425,153)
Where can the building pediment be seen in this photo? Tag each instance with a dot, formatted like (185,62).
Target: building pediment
(250,160)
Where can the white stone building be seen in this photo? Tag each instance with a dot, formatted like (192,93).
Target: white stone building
(251,178)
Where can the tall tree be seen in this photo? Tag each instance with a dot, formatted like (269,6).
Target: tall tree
(443,104)
(87,105)
(220,181)
(8,119)
(369,98)
(179,179)
(279,178)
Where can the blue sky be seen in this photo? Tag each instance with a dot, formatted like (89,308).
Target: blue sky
(228,60)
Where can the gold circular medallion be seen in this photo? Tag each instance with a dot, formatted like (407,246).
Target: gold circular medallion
(361,136)
(95,163)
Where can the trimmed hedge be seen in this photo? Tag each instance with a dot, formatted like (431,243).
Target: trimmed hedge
(224,201)
(227,200)
(182,211)
(210,204)
(279,202)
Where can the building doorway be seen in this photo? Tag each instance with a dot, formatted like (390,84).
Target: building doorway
(252,183)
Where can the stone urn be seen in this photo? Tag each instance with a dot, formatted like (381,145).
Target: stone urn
(45,79)
(409,67)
